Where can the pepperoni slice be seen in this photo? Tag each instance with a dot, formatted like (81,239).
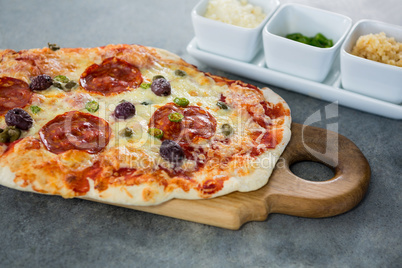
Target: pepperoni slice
(76,130)
(13,93)
(196,123)
(113,75)
(160,119)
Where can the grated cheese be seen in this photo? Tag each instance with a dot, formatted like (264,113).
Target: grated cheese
(235,12)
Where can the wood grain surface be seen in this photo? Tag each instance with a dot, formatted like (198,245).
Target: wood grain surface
(285,192)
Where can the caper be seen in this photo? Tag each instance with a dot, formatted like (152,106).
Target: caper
(10,134)
(58,85)
(53,47)
(126,132)
(14,134)
(157,77)
(70,85)
(180,73)
(227,130)
(4,137)
(222,105)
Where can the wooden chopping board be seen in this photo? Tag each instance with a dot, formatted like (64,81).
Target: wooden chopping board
(285,192)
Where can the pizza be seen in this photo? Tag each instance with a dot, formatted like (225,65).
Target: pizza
(132,125)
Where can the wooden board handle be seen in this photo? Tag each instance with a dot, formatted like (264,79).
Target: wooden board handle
(289,194)
(285,192)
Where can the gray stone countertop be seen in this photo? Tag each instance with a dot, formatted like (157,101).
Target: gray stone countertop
(48,231)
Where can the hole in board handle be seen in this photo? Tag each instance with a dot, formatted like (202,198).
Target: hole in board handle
(312,171)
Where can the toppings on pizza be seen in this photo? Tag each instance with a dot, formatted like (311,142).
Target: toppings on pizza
(182,102)
(76,131)
(124,110)
(13,93)
(172,152)
(126,132)
(92,106)
(227,130)
(113,75)
(184,125)
(9,134)
(141,127)
(41,82)
(64,83)
(19,118)
(156,132)
(160,86)
(180,73)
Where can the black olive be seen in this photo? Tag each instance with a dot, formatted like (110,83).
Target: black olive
(41,82)
(161,87)
(19,118)
(124,110)
(172,152)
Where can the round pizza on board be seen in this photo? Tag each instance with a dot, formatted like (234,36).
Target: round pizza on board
(132,125)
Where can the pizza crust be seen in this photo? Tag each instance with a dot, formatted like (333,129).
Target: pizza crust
(154,193)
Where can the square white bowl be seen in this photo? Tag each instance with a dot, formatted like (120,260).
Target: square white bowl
(298,59)
(367,77)
(229,40)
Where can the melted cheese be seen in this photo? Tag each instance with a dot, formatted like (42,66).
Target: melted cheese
(141,151)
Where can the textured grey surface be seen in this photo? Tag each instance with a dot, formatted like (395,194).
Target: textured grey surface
(48,231)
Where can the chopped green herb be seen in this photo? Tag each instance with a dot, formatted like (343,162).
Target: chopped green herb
(156,132)
(145,85)
(145,103)
(92,106)
(319,40)
(35,109)
(183,102)
(222,105)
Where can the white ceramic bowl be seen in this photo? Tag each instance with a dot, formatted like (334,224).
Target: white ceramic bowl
(371,78)
(296,58)
(229,40)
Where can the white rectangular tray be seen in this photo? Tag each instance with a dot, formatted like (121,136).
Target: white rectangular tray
(329,90)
